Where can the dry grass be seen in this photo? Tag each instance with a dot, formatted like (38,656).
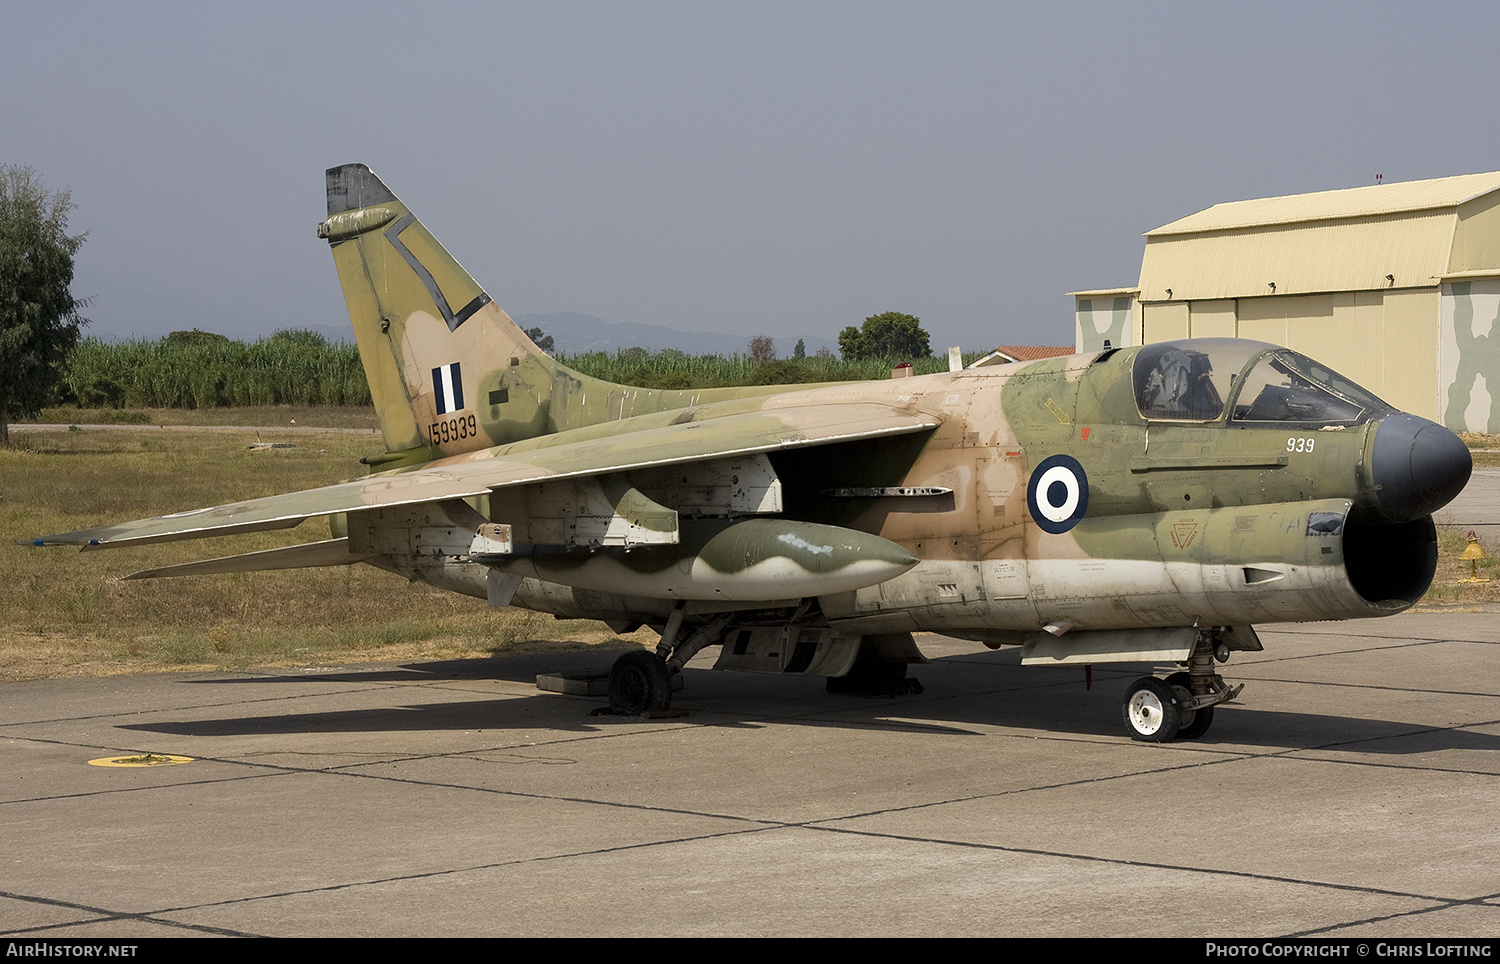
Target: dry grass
(271,416)
(1447,587)
(1484,448)
(71,613)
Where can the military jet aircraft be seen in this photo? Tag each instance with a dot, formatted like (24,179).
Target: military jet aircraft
(1145,504)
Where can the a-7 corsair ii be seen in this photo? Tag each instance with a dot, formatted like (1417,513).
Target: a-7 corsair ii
(1144,504)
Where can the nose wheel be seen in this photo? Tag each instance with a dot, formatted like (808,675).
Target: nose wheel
(1151,712)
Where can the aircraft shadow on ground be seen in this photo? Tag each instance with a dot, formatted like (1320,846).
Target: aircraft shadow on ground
(971,694)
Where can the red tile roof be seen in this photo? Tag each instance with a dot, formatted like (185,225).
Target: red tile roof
(1033,352)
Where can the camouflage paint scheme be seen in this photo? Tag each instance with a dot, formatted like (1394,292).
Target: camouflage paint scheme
(813,530)
(1103,321)
(1469,355)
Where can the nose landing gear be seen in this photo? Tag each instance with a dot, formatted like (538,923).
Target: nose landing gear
(1182,705)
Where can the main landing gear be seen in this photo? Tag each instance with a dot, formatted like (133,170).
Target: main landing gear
(1182,705)
(640,682)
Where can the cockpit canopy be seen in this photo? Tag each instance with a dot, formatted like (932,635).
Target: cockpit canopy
(1195,379)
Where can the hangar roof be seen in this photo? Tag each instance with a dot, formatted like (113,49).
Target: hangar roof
(1394,198)
(1399,235)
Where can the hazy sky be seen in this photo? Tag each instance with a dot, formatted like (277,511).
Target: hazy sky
(737,167)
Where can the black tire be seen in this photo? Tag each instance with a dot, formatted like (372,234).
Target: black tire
(1150,711)
(1183,679)
(639,684)
(1192,723)
(1202,720)
(1182,687)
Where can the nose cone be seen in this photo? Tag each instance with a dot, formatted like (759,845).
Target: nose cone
(1417,466)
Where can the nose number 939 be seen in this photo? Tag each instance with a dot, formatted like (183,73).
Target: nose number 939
(1303,444)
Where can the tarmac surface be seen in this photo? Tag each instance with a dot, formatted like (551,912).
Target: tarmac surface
(1351,791)
(1477,505)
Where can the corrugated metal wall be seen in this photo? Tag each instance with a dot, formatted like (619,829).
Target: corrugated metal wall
(1385,340)
(1320,256)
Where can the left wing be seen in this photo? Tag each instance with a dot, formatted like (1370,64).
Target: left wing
(554,457)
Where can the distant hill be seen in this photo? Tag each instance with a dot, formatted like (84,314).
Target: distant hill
(576,333)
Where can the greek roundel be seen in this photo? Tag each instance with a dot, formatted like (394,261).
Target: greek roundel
(1058,493)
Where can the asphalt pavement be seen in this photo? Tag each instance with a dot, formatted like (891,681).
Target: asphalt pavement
(1351,791)
(1478,505)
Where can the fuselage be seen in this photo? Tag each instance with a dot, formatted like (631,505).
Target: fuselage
(1212,482)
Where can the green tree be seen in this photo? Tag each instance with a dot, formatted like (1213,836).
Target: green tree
(39,317)
(887,335)
(541,339)
(800,351)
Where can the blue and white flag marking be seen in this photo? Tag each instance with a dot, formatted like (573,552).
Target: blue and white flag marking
(447,388)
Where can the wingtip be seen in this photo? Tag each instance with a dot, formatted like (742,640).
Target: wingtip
(62,539)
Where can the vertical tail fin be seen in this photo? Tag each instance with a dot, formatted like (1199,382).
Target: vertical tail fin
(442,358)
(448,370)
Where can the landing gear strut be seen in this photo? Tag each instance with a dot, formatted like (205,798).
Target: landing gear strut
(1182,705)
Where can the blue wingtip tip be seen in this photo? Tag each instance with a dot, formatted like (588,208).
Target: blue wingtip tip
(39,542)
(93,542)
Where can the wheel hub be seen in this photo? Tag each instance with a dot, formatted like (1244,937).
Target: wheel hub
(1145,712)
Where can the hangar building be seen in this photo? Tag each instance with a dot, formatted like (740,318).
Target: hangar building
(1395,285)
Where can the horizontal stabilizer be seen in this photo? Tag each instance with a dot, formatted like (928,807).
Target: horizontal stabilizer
(311,555)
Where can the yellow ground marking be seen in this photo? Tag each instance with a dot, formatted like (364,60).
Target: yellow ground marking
(140,760)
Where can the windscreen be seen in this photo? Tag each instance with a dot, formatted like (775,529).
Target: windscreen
(1285,386)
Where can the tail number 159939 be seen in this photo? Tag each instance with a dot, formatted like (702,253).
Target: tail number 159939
(453,429)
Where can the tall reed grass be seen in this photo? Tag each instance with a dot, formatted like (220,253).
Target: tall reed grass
(670,368)
(213,373)
(210,371)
